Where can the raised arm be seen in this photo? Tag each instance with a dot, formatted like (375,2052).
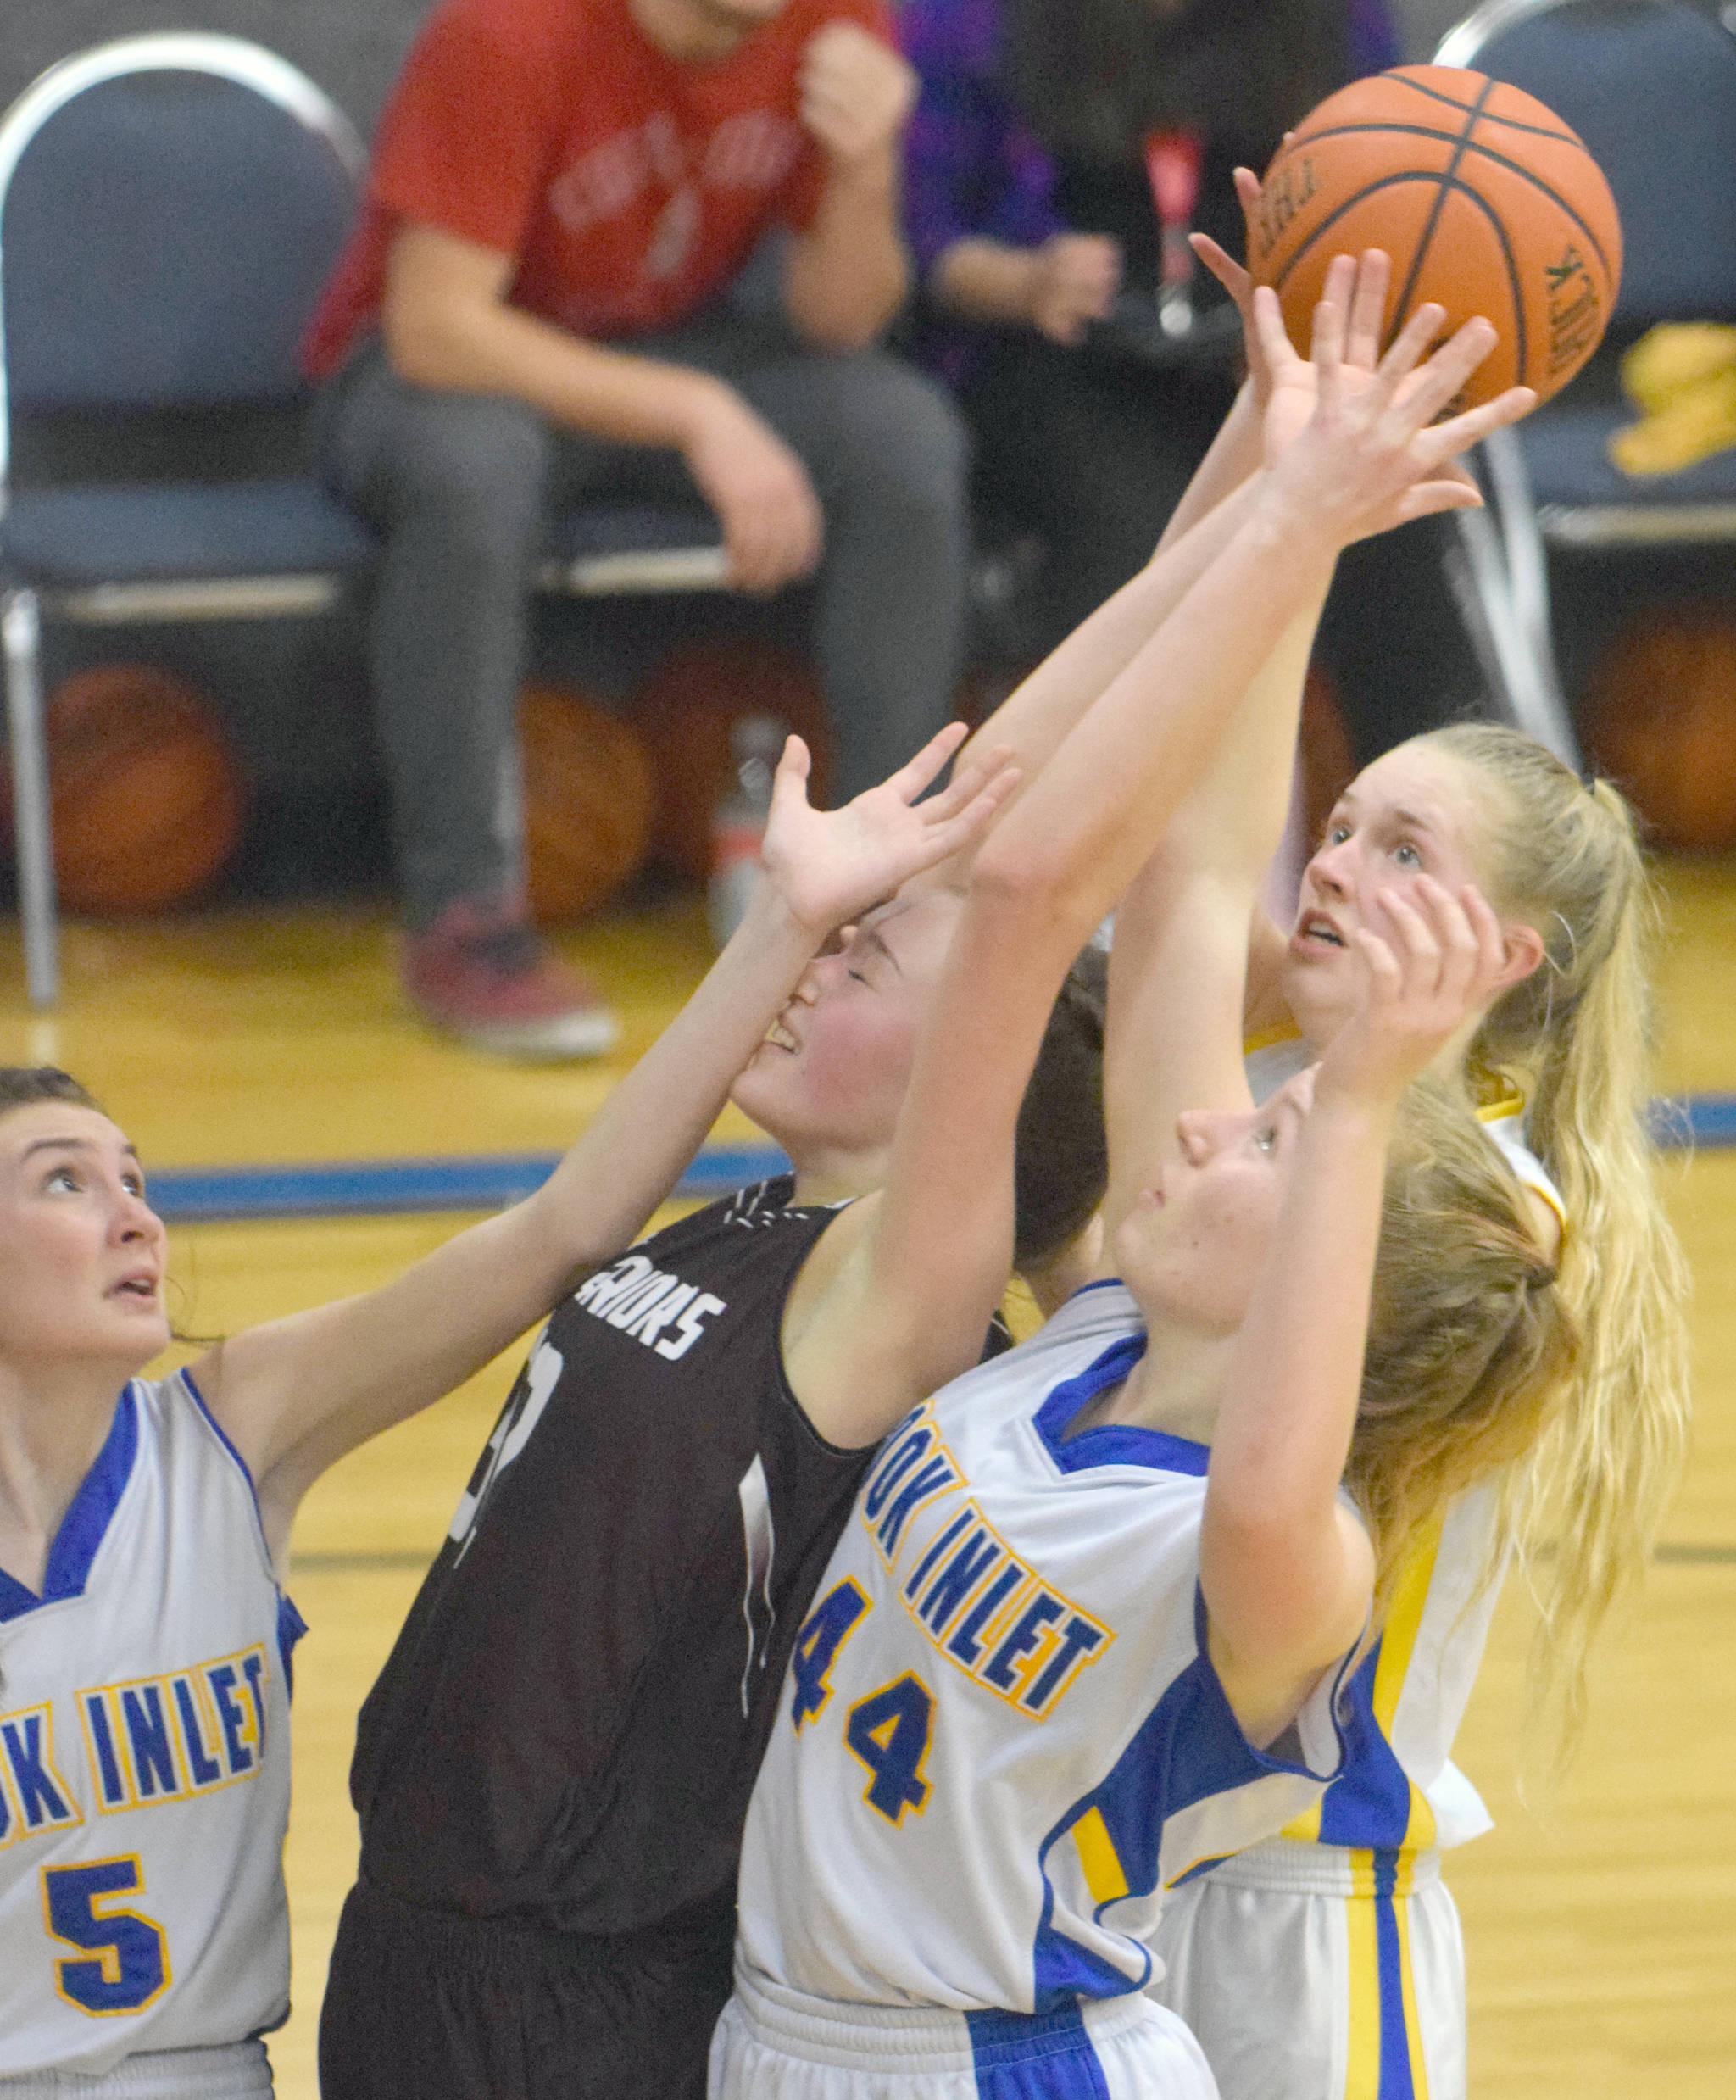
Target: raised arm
(919,1266)
(1189,912)
(298,1393)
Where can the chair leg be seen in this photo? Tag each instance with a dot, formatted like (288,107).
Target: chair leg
(1521,674)
(1509,567)
(20,629)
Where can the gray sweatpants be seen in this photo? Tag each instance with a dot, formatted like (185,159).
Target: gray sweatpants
(459,487)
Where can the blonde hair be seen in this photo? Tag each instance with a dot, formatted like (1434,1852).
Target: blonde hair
(1471,1348)
(1576,1038)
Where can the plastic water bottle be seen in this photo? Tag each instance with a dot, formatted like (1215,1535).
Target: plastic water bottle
(738,823)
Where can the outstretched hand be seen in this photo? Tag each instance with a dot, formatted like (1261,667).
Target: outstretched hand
(830,865)
(1441,963)
(1370,455)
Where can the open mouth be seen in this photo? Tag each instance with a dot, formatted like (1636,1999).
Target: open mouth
(141,1287)
(1317,929)
(780,1037)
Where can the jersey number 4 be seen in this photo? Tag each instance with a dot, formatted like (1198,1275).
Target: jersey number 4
(890,1730)
(124,1965)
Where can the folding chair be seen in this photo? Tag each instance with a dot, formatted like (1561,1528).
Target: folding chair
(1650,87)
(170,206)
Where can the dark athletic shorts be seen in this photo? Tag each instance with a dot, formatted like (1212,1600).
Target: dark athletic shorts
(424,2005)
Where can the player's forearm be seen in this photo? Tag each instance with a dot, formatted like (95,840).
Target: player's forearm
(1271,1553)
(847,274)
(1234,818)
(479,346)
(984,281)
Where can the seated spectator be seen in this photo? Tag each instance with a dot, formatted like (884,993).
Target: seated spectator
(541,303)
(1030,206)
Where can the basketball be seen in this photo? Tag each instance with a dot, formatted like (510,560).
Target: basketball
(1660,721)
(146,794)
(685,709)
(1484,199)
(587,802)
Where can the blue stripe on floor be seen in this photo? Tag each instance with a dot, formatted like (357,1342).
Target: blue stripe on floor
(374,1187)
(490,1181)
(1704,1121)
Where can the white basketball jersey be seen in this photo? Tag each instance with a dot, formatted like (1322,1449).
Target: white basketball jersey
(144,1758)
(1399,1788)
(1000,1737)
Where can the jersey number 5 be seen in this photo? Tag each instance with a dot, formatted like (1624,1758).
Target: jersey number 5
(130,1967)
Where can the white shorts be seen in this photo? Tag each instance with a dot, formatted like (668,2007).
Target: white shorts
(237,2070)
(776,2044)
(1313,1972)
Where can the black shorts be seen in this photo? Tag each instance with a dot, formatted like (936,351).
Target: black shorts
(424,2005)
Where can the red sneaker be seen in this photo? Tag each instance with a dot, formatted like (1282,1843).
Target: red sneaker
(482,973)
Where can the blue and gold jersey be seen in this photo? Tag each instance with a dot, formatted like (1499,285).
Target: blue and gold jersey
(1001,1738)
(144,1758)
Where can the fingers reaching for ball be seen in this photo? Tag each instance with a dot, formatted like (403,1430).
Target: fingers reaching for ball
(1370,452)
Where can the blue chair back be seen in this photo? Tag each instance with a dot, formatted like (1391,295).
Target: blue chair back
(1650,87)
(164,234)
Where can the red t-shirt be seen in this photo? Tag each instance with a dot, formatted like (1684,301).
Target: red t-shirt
(630,186)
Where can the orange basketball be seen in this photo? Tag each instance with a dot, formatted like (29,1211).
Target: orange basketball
(146,795)
(684,711)
(1661,719)
(587,801)
(1484,199)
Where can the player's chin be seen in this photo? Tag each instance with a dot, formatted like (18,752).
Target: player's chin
(763,1087)
(132,1339)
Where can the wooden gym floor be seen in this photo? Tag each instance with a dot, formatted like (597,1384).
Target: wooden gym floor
(1600,1919)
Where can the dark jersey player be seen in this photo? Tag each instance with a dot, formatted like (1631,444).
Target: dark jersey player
(553,1770)
(585,1659)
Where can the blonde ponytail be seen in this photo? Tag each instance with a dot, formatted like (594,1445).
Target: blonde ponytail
(1584,1508)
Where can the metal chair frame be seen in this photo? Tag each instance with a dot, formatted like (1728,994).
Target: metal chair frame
(23,607)
(1499,566)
